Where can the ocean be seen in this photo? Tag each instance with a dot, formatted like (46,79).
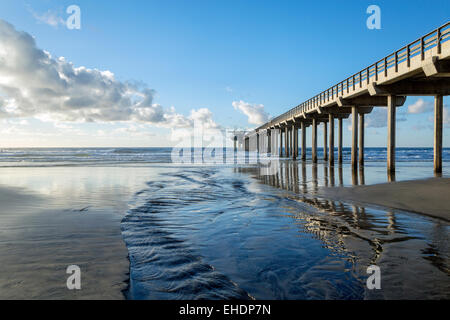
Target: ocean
(213,231)
(115,156)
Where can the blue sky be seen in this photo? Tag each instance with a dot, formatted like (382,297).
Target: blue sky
(208,54)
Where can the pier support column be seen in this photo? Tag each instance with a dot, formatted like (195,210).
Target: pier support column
(361,140)
(340,140)
(438,123)
(281,142)
(276,141)
(273,141)
(314,140)
(294,142)
(262,142)
(290,141)
(303,141)
(331,143)
(257,143)
(325,143)
(275,148)
(291,136)
(269,141)
(286,141)
(391,133)
(354,138)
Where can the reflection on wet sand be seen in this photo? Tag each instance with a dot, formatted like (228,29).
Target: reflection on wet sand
(361,176)
(374,236)
(288,172)
(391,176)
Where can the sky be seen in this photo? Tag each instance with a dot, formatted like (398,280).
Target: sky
(141,73)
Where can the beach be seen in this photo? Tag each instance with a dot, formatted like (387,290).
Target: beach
(425,196)
(36,254)
(184,151)
(52,218)
(140,227)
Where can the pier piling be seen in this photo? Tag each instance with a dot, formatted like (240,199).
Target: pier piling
(361,139)
(257,143)
(281,143)
(438,123)
(391,134)
(354,138)
(286,141)
(340,140)
(314,140)
(325,137)
(294,142)
(331,143)
(303,127)
(289,142)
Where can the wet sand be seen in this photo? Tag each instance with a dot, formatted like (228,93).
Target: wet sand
(51,218)
(427,196)
(38,246)
(172,218)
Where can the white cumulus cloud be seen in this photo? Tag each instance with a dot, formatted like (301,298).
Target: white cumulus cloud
(420,106)
(35,84)
(50,18)
(255,112)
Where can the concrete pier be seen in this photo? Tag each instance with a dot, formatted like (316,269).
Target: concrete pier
(438,125)
(331,143)
(257,143)
(275,150)
(421,68)
(354,138)
(303,127)
(325,144)
(294,142)
(289,142)
(281,143)
(361,140)
(286,141)
(275,142)
(391,134)
(340,140)
(314,140)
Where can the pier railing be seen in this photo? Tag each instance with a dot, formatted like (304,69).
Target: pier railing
(383,66)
